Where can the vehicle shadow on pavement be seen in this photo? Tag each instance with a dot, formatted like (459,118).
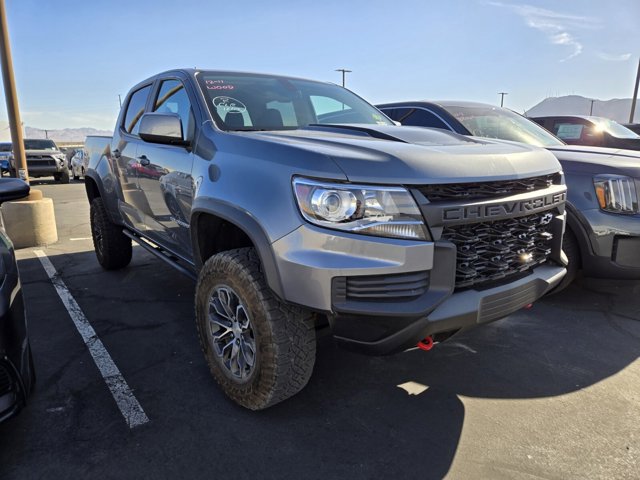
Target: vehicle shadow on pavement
(359,416)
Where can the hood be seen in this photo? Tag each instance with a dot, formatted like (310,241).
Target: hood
(594,160)
(412,155)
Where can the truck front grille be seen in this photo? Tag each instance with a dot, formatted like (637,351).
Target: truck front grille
(491,251)
(480,190)
(40,160)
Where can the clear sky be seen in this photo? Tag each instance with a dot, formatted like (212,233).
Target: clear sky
(73,58)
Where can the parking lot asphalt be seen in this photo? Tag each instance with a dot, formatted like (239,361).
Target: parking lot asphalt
(549,393)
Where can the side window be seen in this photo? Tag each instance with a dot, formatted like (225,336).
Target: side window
(390,112)
(568,131)
(173,98)
(423,118)
(135,109)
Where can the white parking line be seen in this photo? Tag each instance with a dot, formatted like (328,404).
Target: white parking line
(122,394)
(79,239)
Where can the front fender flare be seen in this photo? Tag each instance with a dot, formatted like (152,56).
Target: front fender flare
(245,222)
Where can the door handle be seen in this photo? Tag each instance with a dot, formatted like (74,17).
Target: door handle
(144,161)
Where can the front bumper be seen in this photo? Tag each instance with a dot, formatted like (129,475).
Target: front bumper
(612,247)
(458,311)
(384,295)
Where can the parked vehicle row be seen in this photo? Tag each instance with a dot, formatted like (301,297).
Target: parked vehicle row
(603,222)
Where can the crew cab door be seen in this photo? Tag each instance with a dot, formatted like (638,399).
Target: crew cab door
(133,204)
(165,173)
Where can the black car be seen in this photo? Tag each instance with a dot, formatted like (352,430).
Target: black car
(603,225)
(590,131)
(17,374)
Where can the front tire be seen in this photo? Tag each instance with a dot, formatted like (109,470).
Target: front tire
(113,248)
(260,350)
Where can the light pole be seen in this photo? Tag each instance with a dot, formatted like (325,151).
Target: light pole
(120,100)
(11,97)
(344,71)
(502,94)
(591,107)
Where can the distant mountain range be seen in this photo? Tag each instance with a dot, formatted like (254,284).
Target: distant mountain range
(617,109)
(65,135)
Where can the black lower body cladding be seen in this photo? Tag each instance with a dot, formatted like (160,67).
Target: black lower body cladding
(381,335)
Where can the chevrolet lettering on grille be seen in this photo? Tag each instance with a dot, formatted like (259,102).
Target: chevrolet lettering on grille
(501,210)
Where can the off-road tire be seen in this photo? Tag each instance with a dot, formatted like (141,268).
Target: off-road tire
(572,250)
(113,248)
(284,334)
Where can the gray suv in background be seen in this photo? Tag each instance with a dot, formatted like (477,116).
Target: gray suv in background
(44,159)
(296,206)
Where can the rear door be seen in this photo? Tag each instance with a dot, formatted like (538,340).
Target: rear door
(165,172)
(133,205)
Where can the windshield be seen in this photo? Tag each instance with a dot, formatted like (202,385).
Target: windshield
(39,145)
(503,124)
(5,147)
(239,101)
(614,128)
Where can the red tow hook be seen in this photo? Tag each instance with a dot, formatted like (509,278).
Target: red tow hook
(426,344)
(528,306)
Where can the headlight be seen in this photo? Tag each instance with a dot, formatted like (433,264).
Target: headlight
(616,193)
(381,211)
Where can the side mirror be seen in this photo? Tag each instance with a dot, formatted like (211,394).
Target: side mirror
(13,189)
(164,128)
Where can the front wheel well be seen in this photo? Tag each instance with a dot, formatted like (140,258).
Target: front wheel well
(215,234)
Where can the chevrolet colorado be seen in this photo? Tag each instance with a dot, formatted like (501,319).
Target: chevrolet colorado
(296,205)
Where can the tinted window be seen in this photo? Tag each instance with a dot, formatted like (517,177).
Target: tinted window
(39,145)
(172,98)
(135,109)
(5,147)
(391,112)
(421,118)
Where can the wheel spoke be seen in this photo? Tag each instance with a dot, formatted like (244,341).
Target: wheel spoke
(242,317)
(248,352)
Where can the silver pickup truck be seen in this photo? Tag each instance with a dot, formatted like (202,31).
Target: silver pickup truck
(296,206)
